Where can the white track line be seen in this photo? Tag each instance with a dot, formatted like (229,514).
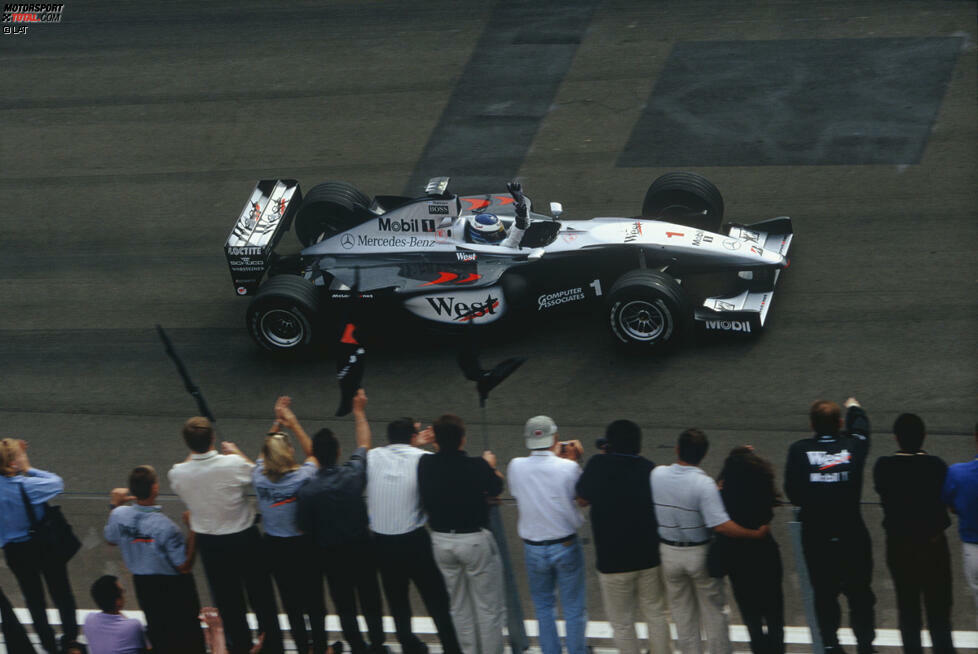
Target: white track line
(597,629)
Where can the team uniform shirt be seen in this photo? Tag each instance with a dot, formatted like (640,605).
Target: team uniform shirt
(151,544)
(622,514)
(961,493)
(543,485)
(687,503)
(824,474)
(40,486)
(909,485)
(331,506)
(277,499)
(113,633)
(393,500)
(214,487)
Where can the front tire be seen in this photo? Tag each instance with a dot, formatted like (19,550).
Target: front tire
(283,316)
(685,199)
(648,311)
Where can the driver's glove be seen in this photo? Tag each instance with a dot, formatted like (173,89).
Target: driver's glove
(516,190)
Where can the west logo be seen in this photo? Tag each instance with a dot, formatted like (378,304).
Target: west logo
(824,460)
(465,256)
(462,311)
(413,225)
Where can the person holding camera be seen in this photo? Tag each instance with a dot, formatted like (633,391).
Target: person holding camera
(543,485)
(615,484)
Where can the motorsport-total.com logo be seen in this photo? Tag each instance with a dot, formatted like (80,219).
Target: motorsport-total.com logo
(17,17)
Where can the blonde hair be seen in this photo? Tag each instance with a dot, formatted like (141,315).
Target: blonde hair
(279,456)
(9,450)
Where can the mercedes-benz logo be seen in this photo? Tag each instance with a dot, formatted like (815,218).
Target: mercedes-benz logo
(346,241)
(731,243)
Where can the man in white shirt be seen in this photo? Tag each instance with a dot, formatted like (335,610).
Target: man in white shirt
(403,545)
(544,487)
(214,487)
(688,506)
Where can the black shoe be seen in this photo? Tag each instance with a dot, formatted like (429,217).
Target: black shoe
(335,648)
(834,649)
(378,649)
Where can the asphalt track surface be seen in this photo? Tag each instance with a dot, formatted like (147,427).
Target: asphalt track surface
(132,134)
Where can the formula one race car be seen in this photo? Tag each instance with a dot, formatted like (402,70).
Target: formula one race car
(453,261)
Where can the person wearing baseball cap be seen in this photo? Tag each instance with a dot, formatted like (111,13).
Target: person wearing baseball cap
(543,484)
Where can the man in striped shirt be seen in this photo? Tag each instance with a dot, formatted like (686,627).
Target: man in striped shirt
(403,545)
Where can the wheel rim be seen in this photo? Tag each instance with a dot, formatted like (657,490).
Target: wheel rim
(642,320)
(282,328)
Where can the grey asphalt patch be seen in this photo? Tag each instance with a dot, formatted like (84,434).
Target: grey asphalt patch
(495,110)
(794,102)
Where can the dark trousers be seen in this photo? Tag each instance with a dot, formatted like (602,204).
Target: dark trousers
(29,564)
(14,635)
(351,571)
(171,606)
(841,561)
(922,570)
(300,588)
(405,558)
(234,564)
(755,575)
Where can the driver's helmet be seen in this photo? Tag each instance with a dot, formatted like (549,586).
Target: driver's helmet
(484,228)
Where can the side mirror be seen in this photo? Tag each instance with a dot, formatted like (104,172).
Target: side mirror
(556,209)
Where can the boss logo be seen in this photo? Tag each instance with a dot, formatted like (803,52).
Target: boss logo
(438,209)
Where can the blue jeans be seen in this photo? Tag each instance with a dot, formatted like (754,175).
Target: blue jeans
(560,566)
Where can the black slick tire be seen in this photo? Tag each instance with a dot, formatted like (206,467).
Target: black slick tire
(327,209)
(685,199)
(648,312)
(283,316)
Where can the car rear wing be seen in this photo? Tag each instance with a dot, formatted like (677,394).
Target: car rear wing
(746,312)
(266,216)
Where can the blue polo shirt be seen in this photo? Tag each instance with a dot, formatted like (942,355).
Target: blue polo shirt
(961,494)
(277,499)
(40,487)
(151,543)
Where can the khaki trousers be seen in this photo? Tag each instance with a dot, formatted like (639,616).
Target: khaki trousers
(473,574)
(623,592)
(695,600)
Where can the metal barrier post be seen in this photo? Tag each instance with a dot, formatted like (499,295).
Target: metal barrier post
(807,595)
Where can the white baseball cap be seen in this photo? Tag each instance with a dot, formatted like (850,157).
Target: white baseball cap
(539,432)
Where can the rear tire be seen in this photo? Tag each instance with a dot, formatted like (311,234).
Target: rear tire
(685,199)
(327,210)
(284,314)
(648,311)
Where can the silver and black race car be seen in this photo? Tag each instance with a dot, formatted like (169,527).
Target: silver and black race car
(454,261)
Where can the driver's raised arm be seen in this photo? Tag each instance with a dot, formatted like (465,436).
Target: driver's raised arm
(515,235)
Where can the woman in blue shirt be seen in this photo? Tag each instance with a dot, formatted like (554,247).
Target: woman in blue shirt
(25,557)
(277,478)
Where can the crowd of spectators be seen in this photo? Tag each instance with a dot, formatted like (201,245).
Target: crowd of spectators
(417,510)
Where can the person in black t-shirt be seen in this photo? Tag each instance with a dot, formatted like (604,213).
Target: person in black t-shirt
(749,495)
(914,518)
(824,477)
(455,491)
(616,486)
